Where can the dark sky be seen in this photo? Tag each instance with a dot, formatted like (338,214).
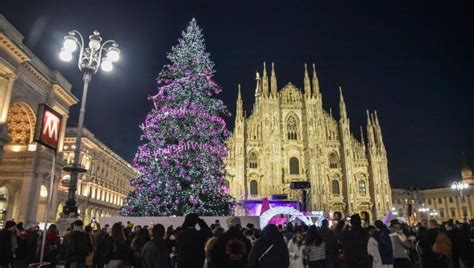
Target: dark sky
(413,61)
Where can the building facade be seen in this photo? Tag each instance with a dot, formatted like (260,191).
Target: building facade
(289,137)
(25,166)
(441,204)
(101,190)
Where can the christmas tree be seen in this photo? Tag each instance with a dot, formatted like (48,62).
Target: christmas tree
(180,163)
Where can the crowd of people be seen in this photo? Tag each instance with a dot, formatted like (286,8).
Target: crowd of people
(346,244)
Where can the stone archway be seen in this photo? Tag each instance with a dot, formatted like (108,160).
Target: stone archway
(267,215)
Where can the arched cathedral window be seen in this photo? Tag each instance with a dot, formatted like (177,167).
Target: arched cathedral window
(292,128)
(253,187)
(362,188)
(335,187)
(253,160)
(333,160)
(294,165)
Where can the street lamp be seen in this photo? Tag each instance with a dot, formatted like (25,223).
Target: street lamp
(460,186)
(434,213)
(90,59)
(423,210)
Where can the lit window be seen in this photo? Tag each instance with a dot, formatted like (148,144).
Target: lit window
(43,192)
(362,189)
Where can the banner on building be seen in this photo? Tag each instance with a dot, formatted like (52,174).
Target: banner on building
(48,127)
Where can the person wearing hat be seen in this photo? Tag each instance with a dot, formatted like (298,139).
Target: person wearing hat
(232,248)
(6,245)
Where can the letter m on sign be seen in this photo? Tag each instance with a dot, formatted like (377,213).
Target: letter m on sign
(48,127)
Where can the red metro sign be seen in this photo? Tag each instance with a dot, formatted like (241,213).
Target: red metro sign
(48,127)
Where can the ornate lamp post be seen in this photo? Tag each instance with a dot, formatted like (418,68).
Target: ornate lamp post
(460,186)
(90,59)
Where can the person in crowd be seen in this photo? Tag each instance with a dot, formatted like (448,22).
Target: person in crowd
(191,242)
(156,253)
(76,245)
(32,244)
(466,244)
(432,246)
(373,248)
(52,245)
(22,242)
(315,248)
(338,230)
(454,236)
(232,248)
(270,250)
(400,245)
(141,238)
(382,235)
(91,237)
(288,232)
(7,248)
(116,247)
(216,233)
(295,248)
(354,243)
(250,235)
(331,243)
(100,256)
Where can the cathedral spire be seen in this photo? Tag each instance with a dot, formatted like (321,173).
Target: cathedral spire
(315,82)
(342,105)
(239,108)
(362,140)
(370,131)
(273,82)
(307,85)
(258,93)
(265,81)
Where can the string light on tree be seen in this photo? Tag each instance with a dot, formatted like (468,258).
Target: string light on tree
(180,162)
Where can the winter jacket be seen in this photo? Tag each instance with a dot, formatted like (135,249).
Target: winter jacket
(354,245)
(296,254)
(230,250)
(6,252)
(276,257)
(77,246)
(190,244)
(373,250)
(385,246)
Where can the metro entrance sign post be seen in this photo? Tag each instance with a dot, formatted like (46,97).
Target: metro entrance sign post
(47,133)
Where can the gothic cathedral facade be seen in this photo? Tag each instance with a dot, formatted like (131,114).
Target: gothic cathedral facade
(290,137)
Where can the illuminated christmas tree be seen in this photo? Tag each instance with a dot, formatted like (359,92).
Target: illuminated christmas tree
(180,163)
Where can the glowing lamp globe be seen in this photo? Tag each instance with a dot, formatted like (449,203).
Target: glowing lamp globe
(107,65)
(69,44)
(65,55)
(113,54)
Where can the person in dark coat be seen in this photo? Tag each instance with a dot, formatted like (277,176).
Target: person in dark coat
(77,245)
(453,234)
(354,243)
(190,242)
(232,248)
(6,246)
(155,253)
(331,243)
(269,251)
(382,236)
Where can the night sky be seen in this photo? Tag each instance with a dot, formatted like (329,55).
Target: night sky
(412,61)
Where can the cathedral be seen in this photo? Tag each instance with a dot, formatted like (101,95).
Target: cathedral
(289,137)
